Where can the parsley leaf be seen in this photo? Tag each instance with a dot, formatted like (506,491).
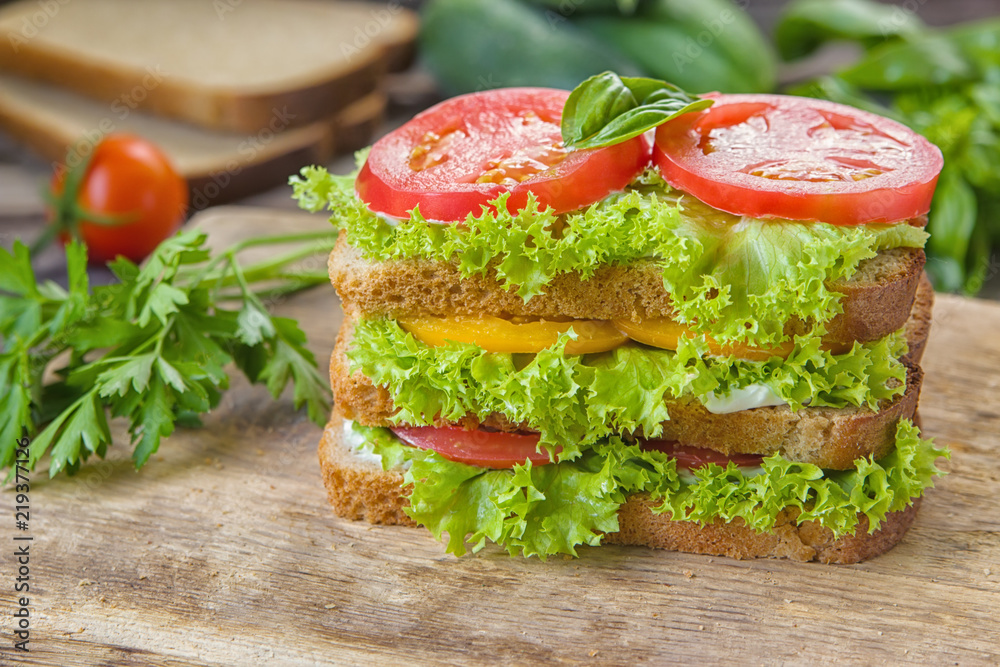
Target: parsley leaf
(152,349)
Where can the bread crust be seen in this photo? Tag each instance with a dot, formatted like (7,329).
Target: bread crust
(827,437)
(358,489)
(918,327)
(361,490)
(353,128)
(639,526)
(876,301)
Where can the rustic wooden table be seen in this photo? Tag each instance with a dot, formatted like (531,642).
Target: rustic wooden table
(223,551)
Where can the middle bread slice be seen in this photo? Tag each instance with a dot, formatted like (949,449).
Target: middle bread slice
(830,437)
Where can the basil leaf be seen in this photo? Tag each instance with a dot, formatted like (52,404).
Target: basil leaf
(977,41)
(951,223)
(837,90)
(805,25)
(934,61)
(607,109)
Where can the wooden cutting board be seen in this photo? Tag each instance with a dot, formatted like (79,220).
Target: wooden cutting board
(223,551)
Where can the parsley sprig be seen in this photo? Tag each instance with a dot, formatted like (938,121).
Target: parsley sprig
(153,348)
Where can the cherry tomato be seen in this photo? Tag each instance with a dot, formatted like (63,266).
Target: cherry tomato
(455,157)
(131,186)
(774,156)
(486,449)
(695,457)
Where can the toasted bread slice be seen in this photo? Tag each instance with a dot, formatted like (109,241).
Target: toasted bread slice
(918,327)
(230,66)
(876,300)
(808,541)
(827,437)
(360,489)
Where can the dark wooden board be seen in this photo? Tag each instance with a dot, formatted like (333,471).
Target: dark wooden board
(223,551)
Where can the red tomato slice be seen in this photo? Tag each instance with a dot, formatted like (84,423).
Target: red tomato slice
(487,449)
(496,449)
(695,457)
(455,157)
(774,156)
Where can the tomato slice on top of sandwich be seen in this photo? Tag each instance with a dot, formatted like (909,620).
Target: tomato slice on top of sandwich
(454,158)
(775,156)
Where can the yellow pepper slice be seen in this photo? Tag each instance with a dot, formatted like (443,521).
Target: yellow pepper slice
(664,332)
(495,334)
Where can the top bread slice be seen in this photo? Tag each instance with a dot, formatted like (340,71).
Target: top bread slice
(228,65)
(877,299)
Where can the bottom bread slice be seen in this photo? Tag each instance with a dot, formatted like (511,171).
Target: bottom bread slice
(359,489)
(638,525)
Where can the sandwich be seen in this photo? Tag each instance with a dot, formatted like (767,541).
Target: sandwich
(629,315)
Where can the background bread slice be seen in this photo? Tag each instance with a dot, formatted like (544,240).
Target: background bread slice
(361,490)
(876,301)
(827,437)
(353,127)
(219,166)
(216,64)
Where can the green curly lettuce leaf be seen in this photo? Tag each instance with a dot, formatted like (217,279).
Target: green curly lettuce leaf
(575,400)
(553,508)
(756,275)
(736,279)
(832,498)
(532,510)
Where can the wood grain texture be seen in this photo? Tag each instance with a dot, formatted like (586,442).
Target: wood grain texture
(223,551)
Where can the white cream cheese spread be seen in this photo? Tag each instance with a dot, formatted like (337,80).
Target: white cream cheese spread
(747,398)
(362,448)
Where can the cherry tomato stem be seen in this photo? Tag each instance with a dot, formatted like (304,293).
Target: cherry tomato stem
(123,198)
